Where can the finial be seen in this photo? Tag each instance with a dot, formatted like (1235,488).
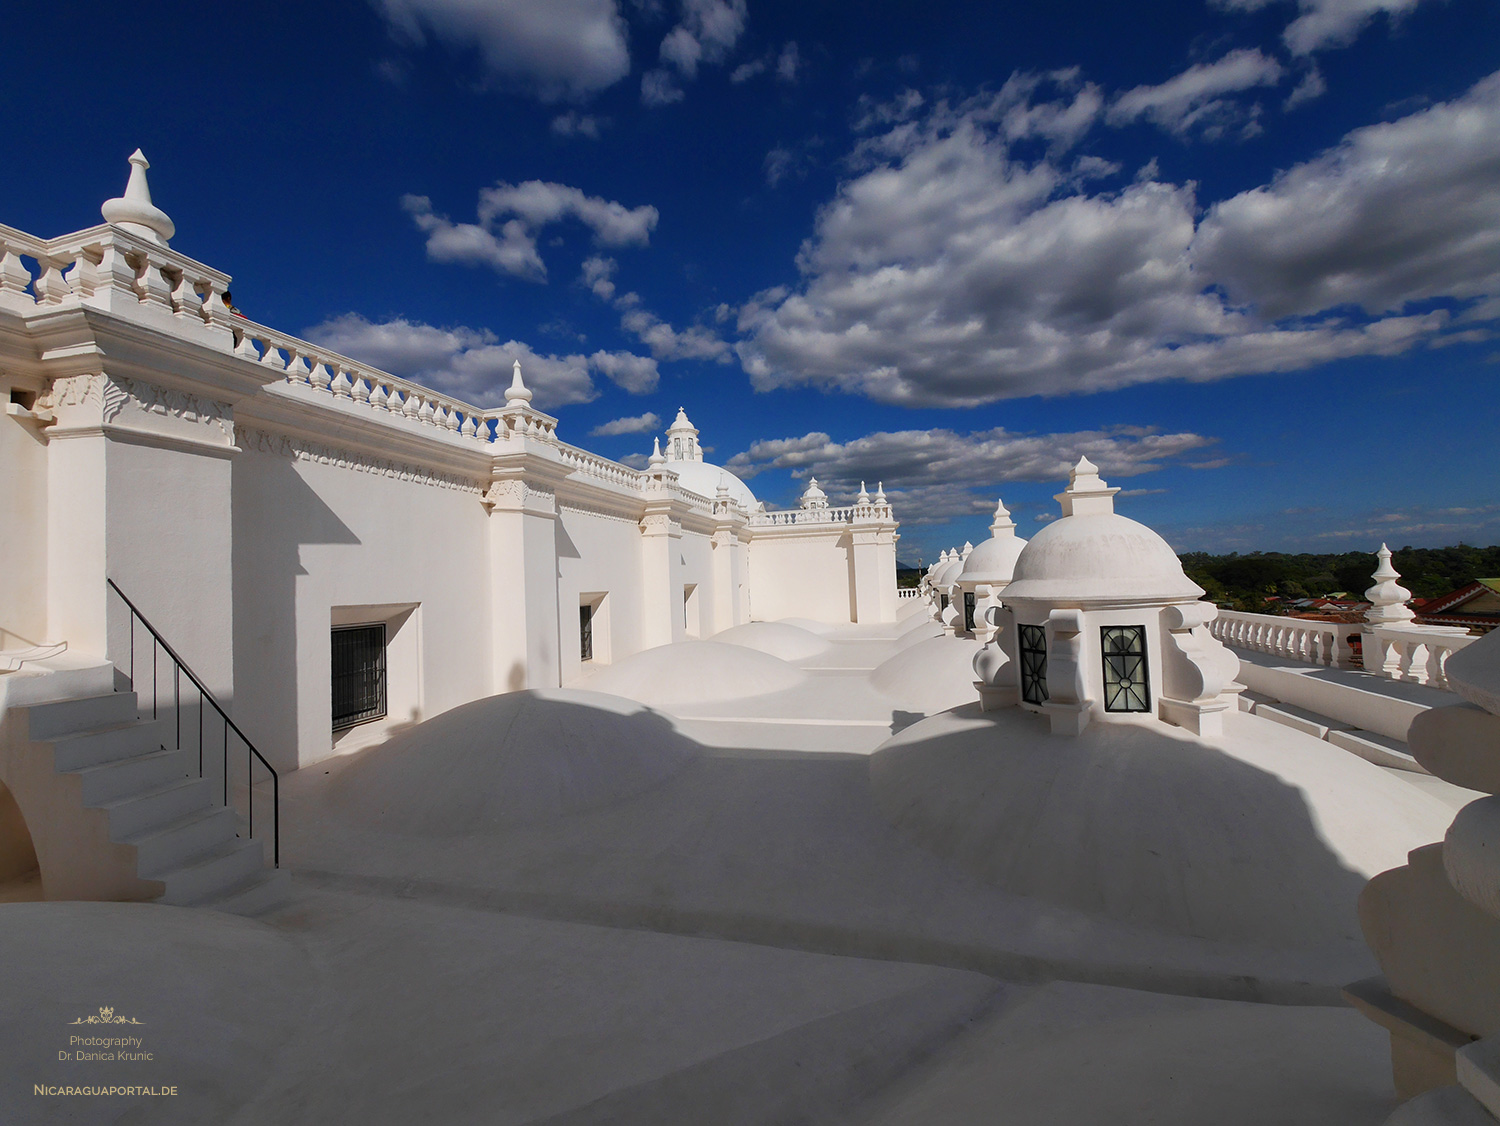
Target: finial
(968,549)
(723,489)
(518,394)
(880,490)
(656,455)
(864,495)
(1002,522)
(134,211)
(1387,597)
(1086,494)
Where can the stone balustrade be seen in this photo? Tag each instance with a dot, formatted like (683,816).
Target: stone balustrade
(110,268)
(1299,639)
(806,516)
(1418,654)
(600,468)
(906,593)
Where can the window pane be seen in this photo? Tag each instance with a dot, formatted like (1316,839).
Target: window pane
(1033,648)
(358,660)
(1127,685)
(586,632)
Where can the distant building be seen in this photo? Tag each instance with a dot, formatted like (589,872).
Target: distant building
(1475,606)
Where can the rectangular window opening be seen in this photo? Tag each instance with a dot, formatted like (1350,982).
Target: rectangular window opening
(1033,649)
(586,632)
(1127,685)
(359,688)
(969,610)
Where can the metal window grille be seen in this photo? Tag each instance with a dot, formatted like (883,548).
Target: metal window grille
(969,610)
(586,632)
(944,605)
(1033,645)
(1127,687)
(358,674)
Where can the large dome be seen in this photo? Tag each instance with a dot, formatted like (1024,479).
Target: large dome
(1101,557)
(703,478)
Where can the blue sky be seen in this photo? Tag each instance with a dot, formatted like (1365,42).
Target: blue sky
(1244,254)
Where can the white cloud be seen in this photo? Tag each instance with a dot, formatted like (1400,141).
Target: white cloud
(1395,213)
(635,424)
(949,272)
(937,475)
(557,48)
(575,124)
(636,374)
(510,217)
(598,274)
(472,364)
(1310,87)
(667,343)
(779,162)
(746,71)
(705,34)
(1193,99)
(788,63)
(1336,23)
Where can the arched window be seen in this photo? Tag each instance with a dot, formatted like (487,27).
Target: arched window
(1127,688)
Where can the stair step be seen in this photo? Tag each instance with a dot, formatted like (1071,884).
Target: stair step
(87,713)
(80,750)
(212,873)
(163,849)
(142,812)
(261,892)
(111,780)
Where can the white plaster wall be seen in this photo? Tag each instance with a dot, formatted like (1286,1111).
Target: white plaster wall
(169,547)
(311,537)
(23,534)
(694,566)
(801,576)
(76,535)
(599,555)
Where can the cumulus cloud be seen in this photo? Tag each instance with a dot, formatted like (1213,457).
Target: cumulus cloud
(940,474)
(510,218)
(556,48)
(598,275)
(947,271)
(668,343)
(705,34)
(635,424)
(1310,86)
(473,364)
(1395,213)
(1193,100)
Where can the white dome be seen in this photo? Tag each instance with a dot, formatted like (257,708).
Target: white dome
(943,577)
(780,639)
(1099,558)
(993,561)
(702,478)
(929,676)
(694,672)
(523,758)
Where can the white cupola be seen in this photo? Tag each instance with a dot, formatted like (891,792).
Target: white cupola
(682,439)
(814,497)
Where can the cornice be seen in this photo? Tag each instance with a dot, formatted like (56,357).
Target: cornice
(299,448)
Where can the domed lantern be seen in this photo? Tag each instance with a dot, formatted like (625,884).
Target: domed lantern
(987,571)
(1100,624)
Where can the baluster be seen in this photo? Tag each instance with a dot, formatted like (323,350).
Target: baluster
(273,357)
(185,300)
(14,279)
(245,346)
(432,413)
(412,405)
(378,397)
(156,290)
(341,386)
(298,371)
(361,390)
(393,401)
(214,308)
(450,419)
(320,377)
(51,288)
(1437,660)
(468,428)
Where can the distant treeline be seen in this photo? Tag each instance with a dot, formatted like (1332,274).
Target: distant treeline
(1246,581)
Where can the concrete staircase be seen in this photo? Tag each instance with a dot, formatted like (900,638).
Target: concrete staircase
(155,803)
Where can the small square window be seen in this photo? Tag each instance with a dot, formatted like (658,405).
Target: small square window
(358,660)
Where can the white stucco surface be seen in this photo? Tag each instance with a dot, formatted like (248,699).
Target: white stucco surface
(694,671)
(780,639)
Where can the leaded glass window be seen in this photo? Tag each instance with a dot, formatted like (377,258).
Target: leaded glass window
(1033,643)
(358,674)
(1126,685)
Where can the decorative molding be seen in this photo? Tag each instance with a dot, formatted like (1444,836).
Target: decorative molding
(73,391)
(281,445)
(113,394)
(593,510)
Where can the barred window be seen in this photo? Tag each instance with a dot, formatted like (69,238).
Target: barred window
(586,632)
(969,610)
(1127,687)
(1033,644)
(358,674)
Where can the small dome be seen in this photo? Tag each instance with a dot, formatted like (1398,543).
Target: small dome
(523,758)
(780,639)
(814,497)
(1093,554)
(694,672)
(1107,557)
(944,576)
(929,676)
(994,560)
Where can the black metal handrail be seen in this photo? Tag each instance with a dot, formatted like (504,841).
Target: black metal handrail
(179,667)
